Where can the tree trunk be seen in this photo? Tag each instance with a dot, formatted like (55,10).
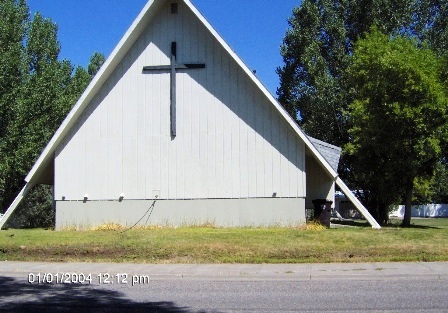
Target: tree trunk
(372,206)
(383,213)
(408,206)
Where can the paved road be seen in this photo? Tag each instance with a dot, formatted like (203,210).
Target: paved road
(369,287)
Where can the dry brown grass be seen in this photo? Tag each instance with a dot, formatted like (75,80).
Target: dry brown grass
(209,244)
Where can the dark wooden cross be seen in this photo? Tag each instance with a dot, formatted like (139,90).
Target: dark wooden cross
(172,68)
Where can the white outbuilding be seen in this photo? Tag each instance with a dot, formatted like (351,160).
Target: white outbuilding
(175,116)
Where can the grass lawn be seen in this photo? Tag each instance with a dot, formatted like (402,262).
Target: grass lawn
(426,240)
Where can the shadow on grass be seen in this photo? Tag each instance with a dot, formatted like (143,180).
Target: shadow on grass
(354,223)
(393,223)
(20,296)
(412,226)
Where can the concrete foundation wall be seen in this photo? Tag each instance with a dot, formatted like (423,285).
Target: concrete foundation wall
(220,212)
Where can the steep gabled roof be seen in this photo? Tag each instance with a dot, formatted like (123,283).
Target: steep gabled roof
(331,153)
(125,44)
(44,162)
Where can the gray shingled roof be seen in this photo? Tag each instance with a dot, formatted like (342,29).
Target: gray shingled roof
(329,152)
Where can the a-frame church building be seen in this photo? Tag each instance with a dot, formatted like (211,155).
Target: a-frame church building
(175,116)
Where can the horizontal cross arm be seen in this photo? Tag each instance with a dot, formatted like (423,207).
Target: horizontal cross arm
(192,65)
(168,67)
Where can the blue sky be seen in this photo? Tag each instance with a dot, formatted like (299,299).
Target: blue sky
(254,29)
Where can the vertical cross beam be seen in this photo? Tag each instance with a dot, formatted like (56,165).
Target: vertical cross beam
(172,68)
(173,89)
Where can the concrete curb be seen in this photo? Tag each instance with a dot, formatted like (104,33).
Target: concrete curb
(291,272)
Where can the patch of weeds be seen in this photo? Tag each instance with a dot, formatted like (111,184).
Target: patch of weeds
(109,226)
(205,224)
(314,226)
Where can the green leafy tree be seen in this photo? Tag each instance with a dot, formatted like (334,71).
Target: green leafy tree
(13,24)
(37,91)
(37,107)
(36,210)
(440,183)
(432,24)
(316,52)
(434,189)
(398,118)
(96,61)
(14,19)
(434,29)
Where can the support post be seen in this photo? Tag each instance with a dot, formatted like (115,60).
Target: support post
(357,203)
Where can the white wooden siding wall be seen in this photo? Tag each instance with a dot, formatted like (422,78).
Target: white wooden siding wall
(231,143)
(319,185)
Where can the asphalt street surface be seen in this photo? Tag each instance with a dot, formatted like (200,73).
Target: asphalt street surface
(96,287)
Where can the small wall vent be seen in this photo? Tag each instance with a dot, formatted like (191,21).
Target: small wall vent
(173,8)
